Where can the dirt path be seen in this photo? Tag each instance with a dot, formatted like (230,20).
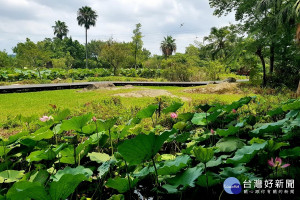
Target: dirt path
(150,93)
(222,88)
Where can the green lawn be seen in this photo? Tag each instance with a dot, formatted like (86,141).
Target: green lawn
(37,103)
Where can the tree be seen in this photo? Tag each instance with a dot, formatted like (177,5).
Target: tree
(60,29)
(5,59)
(29,54)
(69,60)
(193,56)
(145,54)
(297,6)
(220,41)
(115,54)
(168,46)
(270,21)
(57,49)
(279,16)
(94,48)
(137,42)
(86,17)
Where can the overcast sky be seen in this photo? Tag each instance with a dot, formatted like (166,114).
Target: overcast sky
(117,18)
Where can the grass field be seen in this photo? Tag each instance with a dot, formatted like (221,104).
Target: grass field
(124,102)
(37,103)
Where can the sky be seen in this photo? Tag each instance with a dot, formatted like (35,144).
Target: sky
(21,19)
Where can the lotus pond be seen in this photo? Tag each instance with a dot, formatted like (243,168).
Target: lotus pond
(180,155)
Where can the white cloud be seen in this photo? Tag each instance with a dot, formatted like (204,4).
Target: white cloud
(34,19)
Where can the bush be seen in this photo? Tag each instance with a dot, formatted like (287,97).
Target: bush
(256,76)
(177,72)
(128,72)
(214,69)
(149,73)
(198,74)
(277,80)
(59,63)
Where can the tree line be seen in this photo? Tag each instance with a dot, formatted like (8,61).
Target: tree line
(270,27)
(261,45)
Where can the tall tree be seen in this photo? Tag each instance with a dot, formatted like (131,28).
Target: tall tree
(273,22)
(297,6)
(168,46)
(137,42)
(220,41)
(86,17)
(115,53)
(5,59)
(29,54)
(94,48)
(60,29)
(278,15)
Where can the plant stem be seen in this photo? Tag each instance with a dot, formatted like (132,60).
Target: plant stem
(130,192)
(74,154)
(55,135)
(4,151)
(206,120)
(111,146)
(75,140)
(153,122)
(221,194)
(206,177)
(156,174)
(176,146)
(97,137)
(98,186)
(5,160)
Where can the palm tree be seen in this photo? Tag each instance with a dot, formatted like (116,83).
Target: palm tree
(168,46)
(60,29)
(86,17)
(219,41)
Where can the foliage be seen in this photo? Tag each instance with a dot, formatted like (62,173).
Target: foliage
(168,46)
(12,75)
(266,23)
(220,42)
(30,54)
(115,54)
(86,17)
(137,43)
(60,29)
(117,58)
(213,69)
(5,59)
(171,161)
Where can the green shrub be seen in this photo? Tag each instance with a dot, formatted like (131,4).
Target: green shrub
(149,73)
(59,63)
(256,76)
(214,69)
(177,72)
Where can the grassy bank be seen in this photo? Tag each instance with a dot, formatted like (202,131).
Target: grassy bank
(37,103)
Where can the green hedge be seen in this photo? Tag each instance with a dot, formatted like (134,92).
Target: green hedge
(15,74)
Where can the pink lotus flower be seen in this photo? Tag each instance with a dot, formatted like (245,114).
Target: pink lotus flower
(174,115)
(234,110)
(212,131)
(277,163)
(46,118)
(94,119)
